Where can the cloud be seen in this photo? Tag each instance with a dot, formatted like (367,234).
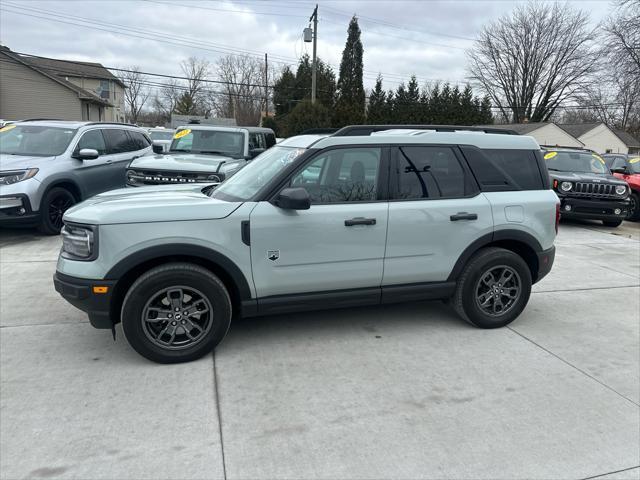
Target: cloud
(401,37)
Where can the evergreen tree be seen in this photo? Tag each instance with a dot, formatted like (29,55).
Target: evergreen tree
(350,106)
(390,108)
(485,111)
(285,92)
(468,108)
(185,105)
(325,81)
(307,115)
(455,114)
(377,111)
(413,102)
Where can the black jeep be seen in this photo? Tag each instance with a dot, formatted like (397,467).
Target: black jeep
(585,186)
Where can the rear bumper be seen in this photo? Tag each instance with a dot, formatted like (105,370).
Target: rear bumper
(545,262)
(593,209)
(79,292)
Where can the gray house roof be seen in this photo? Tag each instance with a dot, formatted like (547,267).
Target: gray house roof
(82,93)
(521,128)
(67,68)
(578,129)
(628,139)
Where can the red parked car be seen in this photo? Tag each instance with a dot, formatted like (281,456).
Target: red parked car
(627,167)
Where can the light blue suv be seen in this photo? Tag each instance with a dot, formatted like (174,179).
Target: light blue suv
(46,166)
(460,214)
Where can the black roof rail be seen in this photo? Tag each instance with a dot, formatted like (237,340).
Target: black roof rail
(365,130)
(43,120)
(114,123)
(319,131)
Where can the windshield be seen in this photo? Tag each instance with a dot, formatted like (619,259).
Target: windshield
(634,164)
(579,162)
(248,181)
(35,140)
(217,142)
(160,135)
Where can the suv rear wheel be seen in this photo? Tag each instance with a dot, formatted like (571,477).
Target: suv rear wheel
(493,288)
(612,223)
(176,313)
(52,207)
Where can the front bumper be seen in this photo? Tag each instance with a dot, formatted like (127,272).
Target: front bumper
(15,210)
(80,293)
(595,209)
(545,262)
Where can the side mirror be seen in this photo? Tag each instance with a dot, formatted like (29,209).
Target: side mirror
(87,154)
(622,170)
(254,152)
(293,199)
(157,147)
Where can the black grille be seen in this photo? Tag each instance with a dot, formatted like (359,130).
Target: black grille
(590,189)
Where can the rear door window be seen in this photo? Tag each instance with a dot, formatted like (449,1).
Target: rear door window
(140,142)
(427,172)
(117,141)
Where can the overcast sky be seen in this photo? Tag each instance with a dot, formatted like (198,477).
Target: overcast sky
(427,38)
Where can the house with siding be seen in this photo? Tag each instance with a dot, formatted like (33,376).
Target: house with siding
(603,139)
(37,87)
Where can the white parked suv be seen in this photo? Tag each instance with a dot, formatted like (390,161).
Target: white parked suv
(317,222)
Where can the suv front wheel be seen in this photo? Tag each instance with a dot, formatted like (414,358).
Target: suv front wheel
(176,312)
(54,203)
(493,288)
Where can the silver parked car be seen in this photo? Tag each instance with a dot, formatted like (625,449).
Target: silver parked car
(201,153)
(47,166)
(161,136)
(317,222)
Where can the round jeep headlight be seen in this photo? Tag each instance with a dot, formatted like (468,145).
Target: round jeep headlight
(131,176)
(621,190)
(566,186)
(213,178)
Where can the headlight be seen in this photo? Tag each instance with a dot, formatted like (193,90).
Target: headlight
(566,186)
(213,178)
(621,190)
(79,242)
(7,178)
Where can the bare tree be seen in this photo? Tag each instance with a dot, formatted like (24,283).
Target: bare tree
(622,39)
(166,99)
(135,92)
(531,61)
(243,94)
(192,101)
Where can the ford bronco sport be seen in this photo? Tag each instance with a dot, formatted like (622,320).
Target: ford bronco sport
(317,222)
(200,153)
(586,187)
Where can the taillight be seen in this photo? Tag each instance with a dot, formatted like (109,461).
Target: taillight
(557,217)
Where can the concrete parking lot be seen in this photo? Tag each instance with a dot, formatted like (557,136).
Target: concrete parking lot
(406,391)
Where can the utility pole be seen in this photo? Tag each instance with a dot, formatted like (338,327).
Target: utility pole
(266,86)
(314,17)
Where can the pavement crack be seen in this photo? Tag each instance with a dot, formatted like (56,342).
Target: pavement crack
(611,473)
(574,367)
(586,288)
(217,398)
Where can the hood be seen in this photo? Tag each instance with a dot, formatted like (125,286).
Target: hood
(181,162)
(585,177)
(22,162)
(150,204)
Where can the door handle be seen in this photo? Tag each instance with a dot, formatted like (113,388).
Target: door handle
(359,221)
(463,216)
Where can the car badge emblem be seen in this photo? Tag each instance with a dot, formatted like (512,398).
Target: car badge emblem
(273,255)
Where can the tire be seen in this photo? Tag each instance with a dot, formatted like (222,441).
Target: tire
(52,207)
(172,337)
(612,223)
(634,208)
(472,282)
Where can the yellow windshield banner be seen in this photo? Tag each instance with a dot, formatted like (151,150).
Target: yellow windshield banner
(7,128)
(635,160)
(550,155)
(182,133)
(598,157)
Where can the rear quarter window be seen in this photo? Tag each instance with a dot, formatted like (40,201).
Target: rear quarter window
(521,165)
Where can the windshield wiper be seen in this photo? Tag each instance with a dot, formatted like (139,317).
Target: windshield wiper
(555,169)
(214,152)
(178,150)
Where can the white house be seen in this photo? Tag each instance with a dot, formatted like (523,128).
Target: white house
(602,139)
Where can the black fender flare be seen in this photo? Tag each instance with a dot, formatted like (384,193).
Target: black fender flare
(182,249)
(488,239)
